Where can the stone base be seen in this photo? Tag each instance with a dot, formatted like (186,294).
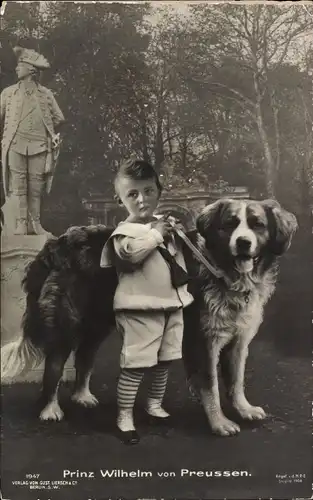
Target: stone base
(9,210)
(16,253)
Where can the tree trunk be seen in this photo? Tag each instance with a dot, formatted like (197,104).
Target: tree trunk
(183,150)
(307,169)
(159,147)
(168,133)
(144,136)
(269,161)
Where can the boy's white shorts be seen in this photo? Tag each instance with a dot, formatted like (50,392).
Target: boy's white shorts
(150,337)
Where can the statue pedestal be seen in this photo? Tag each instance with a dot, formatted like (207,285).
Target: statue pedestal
(16,253)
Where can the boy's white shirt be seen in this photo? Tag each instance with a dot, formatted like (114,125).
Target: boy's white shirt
(148,286)
(147,238)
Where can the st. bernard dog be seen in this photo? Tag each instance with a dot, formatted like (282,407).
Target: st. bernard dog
(243,240)
(70,305)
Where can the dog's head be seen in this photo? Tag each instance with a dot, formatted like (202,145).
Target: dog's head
(79,249)
(238,233)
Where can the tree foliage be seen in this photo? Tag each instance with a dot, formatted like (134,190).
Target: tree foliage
(221,93)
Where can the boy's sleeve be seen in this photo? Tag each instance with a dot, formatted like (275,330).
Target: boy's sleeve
(136,249)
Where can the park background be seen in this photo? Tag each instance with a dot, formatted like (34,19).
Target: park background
(213,95)
(216,96)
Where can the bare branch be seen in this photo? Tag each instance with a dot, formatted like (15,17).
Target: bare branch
(246,22)
(307,112)
(291,37)
(236,29)
(242,105)
(277,135)
(235,92)
(256,26)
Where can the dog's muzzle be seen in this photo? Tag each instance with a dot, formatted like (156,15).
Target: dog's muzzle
(243,245)
(244,260)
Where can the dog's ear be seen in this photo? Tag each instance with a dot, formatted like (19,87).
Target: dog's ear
(282,226)
(209,215)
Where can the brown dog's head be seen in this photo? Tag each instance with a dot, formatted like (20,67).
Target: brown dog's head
(238,233)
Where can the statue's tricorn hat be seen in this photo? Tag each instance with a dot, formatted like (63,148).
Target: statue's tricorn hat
(31,57)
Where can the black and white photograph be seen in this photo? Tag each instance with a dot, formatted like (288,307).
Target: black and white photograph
(156,250)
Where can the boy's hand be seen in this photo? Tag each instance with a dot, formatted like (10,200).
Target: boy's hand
(176,223)
(163,226)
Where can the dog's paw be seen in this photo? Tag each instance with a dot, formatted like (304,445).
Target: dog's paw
(250,412)
(85,398)
(222,426)
(52,412)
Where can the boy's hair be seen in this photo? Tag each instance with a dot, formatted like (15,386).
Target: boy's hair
(137,170)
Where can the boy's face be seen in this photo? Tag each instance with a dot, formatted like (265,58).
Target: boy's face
(139,197)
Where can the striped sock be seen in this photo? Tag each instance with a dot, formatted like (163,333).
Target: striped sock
(127,388)
(157,390)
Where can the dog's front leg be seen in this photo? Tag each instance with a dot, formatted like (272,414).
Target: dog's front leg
(237,361)
(209,393)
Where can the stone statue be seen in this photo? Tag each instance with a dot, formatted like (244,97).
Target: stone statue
(30,143)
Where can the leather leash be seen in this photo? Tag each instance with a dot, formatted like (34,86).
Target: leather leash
(216,272)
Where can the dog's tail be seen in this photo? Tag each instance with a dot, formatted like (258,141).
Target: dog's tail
(18,357)
(24,354)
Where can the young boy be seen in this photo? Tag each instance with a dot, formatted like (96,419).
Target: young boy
(150,296)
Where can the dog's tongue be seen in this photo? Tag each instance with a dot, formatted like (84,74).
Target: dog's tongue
(244,265)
